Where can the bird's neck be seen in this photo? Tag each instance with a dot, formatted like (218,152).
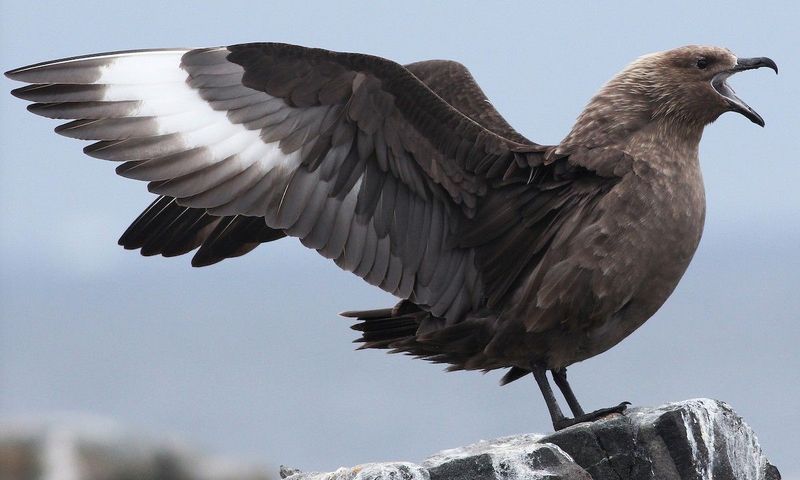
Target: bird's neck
(623,119)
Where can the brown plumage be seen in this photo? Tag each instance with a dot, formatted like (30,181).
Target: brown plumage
(505,253)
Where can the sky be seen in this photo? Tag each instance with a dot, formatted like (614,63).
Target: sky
(248,357)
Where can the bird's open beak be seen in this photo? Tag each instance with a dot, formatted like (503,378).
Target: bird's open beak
(737,104)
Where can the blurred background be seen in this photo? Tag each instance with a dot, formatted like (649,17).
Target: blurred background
(248,358)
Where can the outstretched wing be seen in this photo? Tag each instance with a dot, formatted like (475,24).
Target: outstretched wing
(168,229)
(353,154)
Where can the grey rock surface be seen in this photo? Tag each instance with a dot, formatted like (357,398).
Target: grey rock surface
(695,439)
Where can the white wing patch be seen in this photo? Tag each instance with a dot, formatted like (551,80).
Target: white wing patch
(159,83)
(144,68)
(153,86)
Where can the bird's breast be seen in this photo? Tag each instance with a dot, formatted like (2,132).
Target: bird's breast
(621,266)
(654,219)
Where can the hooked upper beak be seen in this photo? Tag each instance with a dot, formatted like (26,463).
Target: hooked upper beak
(737,104)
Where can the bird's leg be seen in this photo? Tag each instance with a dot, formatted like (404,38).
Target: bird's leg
(560,422)
(540,374)
(560,377)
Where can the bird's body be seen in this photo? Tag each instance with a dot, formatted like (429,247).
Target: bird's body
(505,253)
(632,256)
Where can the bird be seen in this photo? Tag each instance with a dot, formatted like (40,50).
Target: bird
(503,253)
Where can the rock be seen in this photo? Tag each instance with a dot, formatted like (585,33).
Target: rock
(522,457)
(88,448)
(369,471)
(695,439)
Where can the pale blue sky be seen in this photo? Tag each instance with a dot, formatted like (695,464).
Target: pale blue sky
(249,358)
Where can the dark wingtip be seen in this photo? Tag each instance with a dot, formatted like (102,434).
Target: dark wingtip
(16,73)
(10,74)
(199,261)
(19,74)
(24,92)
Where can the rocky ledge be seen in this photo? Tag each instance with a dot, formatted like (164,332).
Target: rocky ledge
(694,439)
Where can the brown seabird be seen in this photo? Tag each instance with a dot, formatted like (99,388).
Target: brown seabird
(504,253)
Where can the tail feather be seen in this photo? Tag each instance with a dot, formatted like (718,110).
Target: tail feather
(398,330)
(513,373)
(385,327)
(384,324)
(368,314)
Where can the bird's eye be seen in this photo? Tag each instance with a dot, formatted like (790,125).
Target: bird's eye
(702,63)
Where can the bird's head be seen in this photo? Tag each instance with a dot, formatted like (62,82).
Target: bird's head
(678,91)
(689,84)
